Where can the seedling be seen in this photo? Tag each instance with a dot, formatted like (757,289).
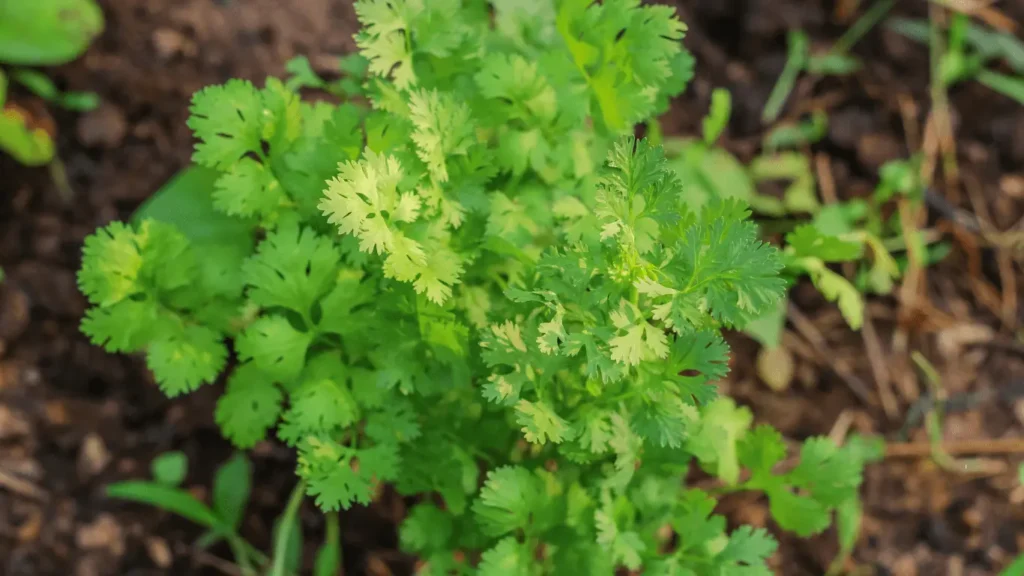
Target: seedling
(41,33)
(481,270)
(970,52)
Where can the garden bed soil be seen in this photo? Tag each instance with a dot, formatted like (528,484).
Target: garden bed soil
(73,418)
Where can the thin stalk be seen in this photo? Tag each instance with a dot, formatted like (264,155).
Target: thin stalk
(241,553)
(288,519)
(334,531)
(796,60)
(862,26)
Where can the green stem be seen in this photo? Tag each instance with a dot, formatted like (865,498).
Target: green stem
(241,553)
(284,532)
(333,535)
(862,26)
(796,60)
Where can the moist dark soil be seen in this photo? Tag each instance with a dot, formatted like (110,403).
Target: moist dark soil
(73,418)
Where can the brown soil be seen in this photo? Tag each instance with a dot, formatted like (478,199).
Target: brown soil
(73,418)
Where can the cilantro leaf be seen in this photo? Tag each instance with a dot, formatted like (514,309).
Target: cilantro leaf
(292,268)
(723,424)
(762,449)
(540,423)
(339,476)
(826,472)
(363,200)
(111,261)
(747,551)
(126,326)
(507,501)
(801,515)
(507,558)
(441,128)
(723,260)
(184,360)
(695,360)
(626,546)
(383,37)
(807,240)
(426,529)
(250,406)
(248,189)
(319,405)
(395,422)
(227,120)
(275,347)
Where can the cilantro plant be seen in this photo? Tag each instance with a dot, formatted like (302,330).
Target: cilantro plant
(469,280)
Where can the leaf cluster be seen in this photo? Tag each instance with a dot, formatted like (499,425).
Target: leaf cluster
(469,280)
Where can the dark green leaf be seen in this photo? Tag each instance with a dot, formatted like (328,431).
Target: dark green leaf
(186,201)
(231,487)
(50,32)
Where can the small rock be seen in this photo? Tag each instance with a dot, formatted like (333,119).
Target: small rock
(952,341)
(104,533)
(159,552)
(13,424)
(169,43)
(775,366)
(93,456)
(56,413)
(875,149)
(1012,185)
(14,312)
(103,127)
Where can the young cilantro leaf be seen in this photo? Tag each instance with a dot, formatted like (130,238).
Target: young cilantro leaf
(250,406)
(185,359)
(292,268)
(275,347)
(228,121)
(509,498)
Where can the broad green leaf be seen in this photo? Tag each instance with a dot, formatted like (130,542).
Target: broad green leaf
(186,201)
(50,32)
(231,487)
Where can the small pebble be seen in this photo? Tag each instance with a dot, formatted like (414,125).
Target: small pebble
(93,456)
